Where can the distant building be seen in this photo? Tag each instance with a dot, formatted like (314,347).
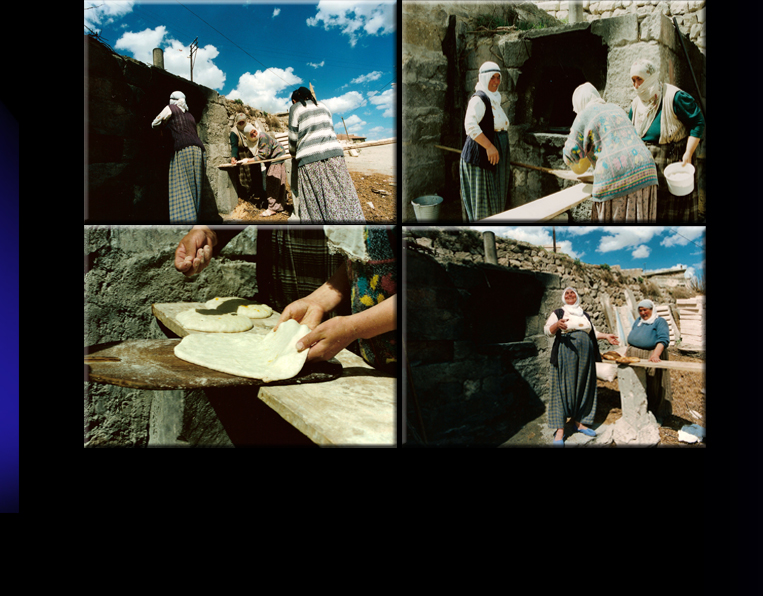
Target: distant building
(351,138)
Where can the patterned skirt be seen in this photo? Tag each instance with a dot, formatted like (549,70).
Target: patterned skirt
(484,192)
(658,395)
(275,186)
(186,170)
(327,193)
(573,381)
(637,207)
(670,208)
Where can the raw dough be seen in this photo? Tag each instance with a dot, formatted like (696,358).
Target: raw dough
(270,357)
(240,306)
(209,320)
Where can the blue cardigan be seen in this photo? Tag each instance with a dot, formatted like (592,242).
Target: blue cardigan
(647,337)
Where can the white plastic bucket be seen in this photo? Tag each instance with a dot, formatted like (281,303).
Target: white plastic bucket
(680,178)
(427,208)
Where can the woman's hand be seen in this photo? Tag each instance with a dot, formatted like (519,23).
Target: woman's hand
(612,339)
(328,339)
(560,324)
(233,161)
(654,358)
(691,147)
(194,252)
(305,311)
(492,154)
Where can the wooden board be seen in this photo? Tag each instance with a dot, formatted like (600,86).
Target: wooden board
(545,208)
(167,313)
(152,364)
(671,365)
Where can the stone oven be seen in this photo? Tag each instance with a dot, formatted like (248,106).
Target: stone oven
(541,67)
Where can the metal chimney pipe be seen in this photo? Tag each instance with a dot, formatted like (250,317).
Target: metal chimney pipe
(575,12)
(490,254)
(159,58)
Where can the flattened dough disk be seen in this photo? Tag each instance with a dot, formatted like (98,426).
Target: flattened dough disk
(240,306)
(209,320)
(270,357)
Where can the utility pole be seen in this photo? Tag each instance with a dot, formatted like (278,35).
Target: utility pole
(194,47)
(553,231)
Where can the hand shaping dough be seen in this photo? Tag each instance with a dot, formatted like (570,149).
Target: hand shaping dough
(240,306)
(270,357)
(209,320)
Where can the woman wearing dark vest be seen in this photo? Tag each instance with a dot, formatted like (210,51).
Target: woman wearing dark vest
(573,357)
(485,168)
(187,165)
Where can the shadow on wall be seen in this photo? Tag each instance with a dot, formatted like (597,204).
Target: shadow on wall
(128,161)
(476,374)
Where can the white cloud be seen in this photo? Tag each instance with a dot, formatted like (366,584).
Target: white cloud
(690,272)
(276,12)
(355,19)
(385,101)
(98,13)
(176,56)
(683,235)
(620,238)
(344,103)
(371,76)
(536,235)
(316,65)
(260,89)
(641,252)
(354,125)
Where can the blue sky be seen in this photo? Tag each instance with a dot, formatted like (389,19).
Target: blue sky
(647,247)
(261,52)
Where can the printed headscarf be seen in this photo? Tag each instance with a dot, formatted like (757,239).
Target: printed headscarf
(252,145)
(646,303)
(178,99)
(239,131)
(583,96)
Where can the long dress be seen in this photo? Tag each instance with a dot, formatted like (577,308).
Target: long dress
(573,382)
(484,192)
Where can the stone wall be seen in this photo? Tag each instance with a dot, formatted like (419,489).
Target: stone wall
(128,161)
(128,268)
(474,335)
(689,15)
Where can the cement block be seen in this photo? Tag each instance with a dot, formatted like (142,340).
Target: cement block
(617,31)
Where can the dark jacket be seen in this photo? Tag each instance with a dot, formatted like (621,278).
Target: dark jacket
(182,125)
(473,152)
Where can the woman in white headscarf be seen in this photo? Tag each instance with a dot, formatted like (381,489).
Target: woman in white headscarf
(671,124)
(573,358)
(484,167)
(649,340)
(250,185)
(187,165)
(624,175)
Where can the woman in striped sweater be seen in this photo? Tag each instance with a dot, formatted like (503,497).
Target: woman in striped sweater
(326,191)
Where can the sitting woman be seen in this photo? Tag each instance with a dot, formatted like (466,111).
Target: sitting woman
(649,339)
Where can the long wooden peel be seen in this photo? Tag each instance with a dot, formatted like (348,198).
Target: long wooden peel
(564,174)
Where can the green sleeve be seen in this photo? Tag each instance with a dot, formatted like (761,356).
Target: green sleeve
(688,112)
(234,145)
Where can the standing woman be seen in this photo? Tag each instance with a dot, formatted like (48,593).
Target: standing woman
(573,356)
(624,176)
(649,339)
(485,168)
(187,165)
(266,147)
(326,191)
(241,149)
(671,124)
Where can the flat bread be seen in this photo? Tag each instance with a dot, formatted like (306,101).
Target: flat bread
(627,359)
(611,356)
(201,319)
(270,357)
(239,306)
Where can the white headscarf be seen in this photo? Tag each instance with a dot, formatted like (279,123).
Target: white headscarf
(178,99)
(585,95)
(572,309)
(648,98)
(646,304)
(252,145)
(487,70)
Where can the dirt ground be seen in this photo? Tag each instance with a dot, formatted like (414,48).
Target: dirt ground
(688,402)
(373,174)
